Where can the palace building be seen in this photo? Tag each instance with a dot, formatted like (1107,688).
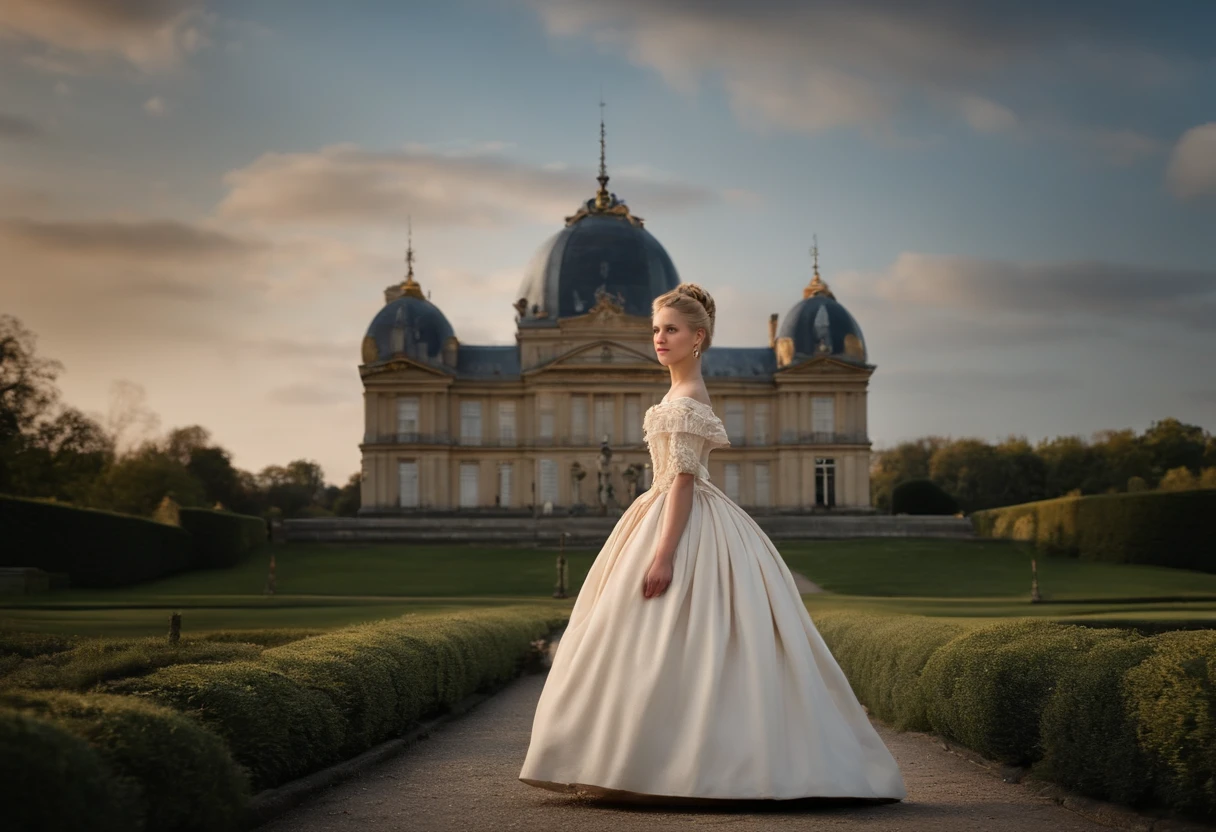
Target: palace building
(461,427)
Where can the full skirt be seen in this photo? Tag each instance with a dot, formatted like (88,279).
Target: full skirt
(721,688)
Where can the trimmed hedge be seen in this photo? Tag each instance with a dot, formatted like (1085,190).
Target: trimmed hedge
(313,702)
(1106,712)
(1159,528)
(35,753)
(221,538)
(162,770)
(106,549)
(884,657)
(922,497)
(95,548)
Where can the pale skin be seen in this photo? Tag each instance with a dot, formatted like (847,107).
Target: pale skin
(674,342)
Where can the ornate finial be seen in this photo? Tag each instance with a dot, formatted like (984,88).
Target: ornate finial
(602,198)
(816,286)
(604,203)
(410,286)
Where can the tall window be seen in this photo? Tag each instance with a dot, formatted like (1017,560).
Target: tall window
(763,495)
(505,484)
(633,420)
(407,484)
(407,418)
(823,415)
(506,423)
(760,423)
(578,419)
(470,423)
(731,469)
(604,406)
(468,484)
(548,481)
(545,428)
(825,482)
(734,422)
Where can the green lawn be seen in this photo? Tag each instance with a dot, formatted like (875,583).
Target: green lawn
(978,569)
(323,586)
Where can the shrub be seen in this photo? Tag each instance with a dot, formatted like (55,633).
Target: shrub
(221,538)
(1087,720)
(177,775)
(987,688)
(34,754)
(1172,697)
(1160,528)
(94,548)
(274,728)
(922,497)
(94,661)
(883,657)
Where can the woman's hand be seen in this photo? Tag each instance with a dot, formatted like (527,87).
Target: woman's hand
(658,578)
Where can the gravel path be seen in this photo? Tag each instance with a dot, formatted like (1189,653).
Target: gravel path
(465,778)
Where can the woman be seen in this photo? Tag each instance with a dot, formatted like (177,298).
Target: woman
(690,667)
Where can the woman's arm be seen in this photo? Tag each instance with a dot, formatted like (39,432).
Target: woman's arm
(676,510)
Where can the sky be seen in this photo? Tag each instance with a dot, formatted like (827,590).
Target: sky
(1017,202)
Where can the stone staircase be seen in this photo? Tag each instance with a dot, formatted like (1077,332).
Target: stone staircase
(591,531)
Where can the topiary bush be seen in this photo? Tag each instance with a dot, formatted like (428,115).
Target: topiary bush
(922,497)
(1172,699)
(175,774)
(57,780)
(987,688)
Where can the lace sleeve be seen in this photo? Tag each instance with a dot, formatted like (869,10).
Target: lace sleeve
(684,453)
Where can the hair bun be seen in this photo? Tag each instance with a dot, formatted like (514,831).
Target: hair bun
(700,295)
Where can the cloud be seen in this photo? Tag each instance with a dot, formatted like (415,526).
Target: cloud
(156,240)
(1192,168)
(155,106)
(813,67)
(345,185)
(150,35)
(1055,290)
(19,128)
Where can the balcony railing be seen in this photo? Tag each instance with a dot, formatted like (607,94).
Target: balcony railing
(444,439)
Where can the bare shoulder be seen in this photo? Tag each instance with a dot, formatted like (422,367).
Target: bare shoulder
(695,392)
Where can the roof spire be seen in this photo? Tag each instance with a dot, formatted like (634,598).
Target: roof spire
(410,286)
(602,197)
(816,286)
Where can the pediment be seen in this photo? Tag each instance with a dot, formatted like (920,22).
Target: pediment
(600,355)
(825,365)
(402,369)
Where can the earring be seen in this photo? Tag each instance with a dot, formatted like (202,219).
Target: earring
(696,351)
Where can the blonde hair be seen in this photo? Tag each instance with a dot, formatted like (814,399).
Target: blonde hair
(694,304)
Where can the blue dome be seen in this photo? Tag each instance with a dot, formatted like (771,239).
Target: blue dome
(600,248)
(819,325)
(410,325)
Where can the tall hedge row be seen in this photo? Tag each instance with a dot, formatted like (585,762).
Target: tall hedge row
(106,549)
(1160,528)
(221,538)
(1106,712)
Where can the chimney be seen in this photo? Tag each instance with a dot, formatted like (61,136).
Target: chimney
(772,331)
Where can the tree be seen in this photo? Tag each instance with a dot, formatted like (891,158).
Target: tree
(181,443)
(62,458)
(137,482)
(1174,444)
(971,471)
(1024,474)
(27,382)
(350,498)
(906,461)
(1072,465)
(1179,479)
(221,482)
(1124,457)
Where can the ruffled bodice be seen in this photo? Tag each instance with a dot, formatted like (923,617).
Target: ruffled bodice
(681,433)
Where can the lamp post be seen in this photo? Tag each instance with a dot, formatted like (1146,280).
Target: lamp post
(1035,597)
(560,590)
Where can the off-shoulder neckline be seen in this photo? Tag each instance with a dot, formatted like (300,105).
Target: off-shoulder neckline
(685,398)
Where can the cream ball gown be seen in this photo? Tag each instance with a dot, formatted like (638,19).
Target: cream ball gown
(719,688)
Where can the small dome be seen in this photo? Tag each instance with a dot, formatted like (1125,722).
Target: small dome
(600,250)
(408,325)
(819,325)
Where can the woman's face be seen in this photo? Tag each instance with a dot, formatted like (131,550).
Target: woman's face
(673,338)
